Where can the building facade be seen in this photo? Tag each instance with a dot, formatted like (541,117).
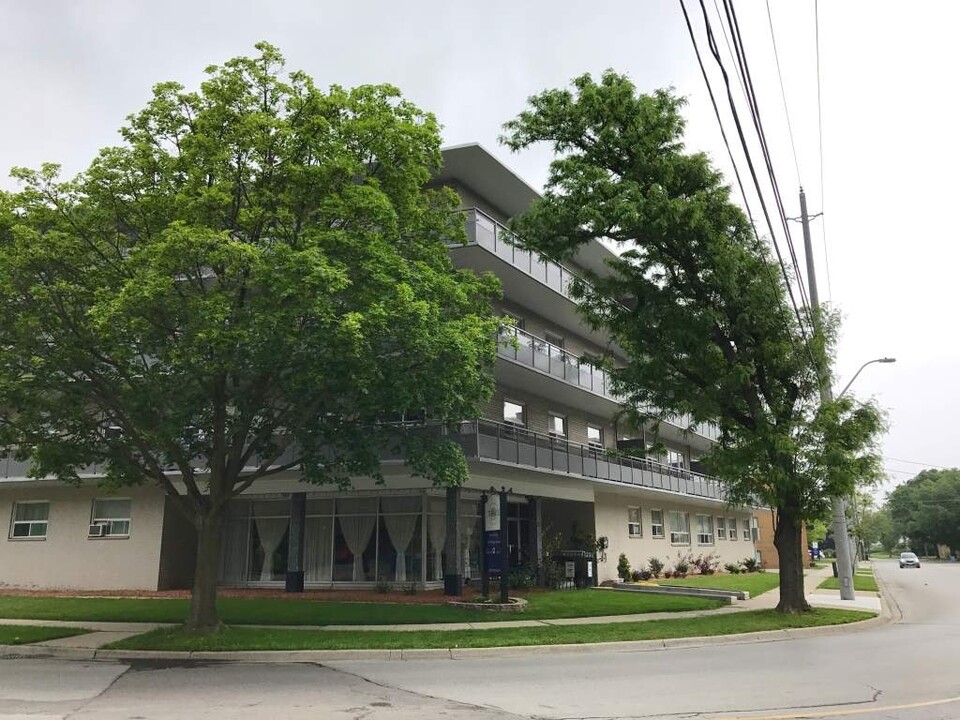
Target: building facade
(549,435)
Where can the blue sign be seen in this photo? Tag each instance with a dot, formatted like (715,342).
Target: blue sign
(491,549)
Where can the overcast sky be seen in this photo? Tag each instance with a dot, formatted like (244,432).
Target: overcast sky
(72,70)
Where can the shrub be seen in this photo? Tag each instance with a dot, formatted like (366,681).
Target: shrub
(682,566)
(732,568)
(656,566)
(644,574)
(382,587)
(667,574)
(750,565)
(623,567)
(523,577)
(707,564)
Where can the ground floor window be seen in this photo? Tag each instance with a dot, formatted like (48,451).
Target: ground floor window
(721,528)
(30,519)
(656,523)
(679,527)
(704,530)
(746,530)
(732,522)
(113,514)
(359,539)
(634,524)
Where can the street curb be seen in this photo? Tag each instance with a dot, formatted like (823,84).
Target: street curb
(320,656)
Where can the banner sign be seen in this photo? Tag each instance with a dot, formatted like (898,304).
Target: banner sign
(491,539)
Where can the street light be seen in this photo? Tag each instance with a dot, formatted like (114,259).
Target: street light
(853,497)
(857,374)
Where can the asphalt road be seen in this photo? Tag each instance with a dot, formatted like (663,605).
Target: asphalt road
(908,669)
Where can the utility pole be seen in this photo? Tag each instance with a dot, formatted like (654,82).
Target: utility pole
(841,541)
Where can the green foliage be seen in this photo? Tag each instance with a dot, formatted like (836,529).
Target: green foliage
(750,565)
(732,568)
(245,638)
(925,509)
(817,531)
(694,300)
(255,281)
(656,566)
(623,567)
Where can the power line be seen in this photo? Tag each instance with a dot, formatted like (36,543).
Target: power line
(823,221)
(915,462)
(751,101)
(733,162)
(783,94)
(754,106)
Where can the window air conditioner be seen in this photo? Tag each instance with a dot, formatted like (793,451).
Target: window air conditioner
(98,530)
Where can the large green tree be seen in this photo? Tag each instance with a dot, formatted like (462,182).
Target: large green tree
(926,509)
(695,302)
(255,281)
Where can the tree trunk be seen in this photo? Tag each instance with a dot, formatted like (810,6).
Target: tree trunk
(788,540)
(203,601)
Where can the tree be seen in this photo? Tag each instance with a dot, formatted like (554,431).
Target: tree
(926,509)
(695,303)
(255,281)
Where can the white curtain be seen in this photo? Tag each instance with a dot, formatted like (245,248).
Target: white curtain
(401,528)
(271,532)
(468,525)
(233,550)
(437,532)
(357,530)
(318,549)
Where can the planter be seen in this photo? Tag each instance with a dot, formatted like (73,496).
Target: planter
(513,605)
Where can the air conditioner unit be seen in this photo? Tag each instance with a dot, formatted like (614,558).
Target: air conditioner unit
(98,530)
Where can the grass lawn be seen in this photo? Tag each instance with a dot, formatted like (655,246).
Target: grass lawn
(753,583)
(240,638)
(25,634)
(861,583)
(250,611)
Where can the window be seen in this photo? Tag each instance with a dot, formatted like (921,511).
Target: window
(594,436)
(746,530)
(656,523)
(755,528)
(30,519)
(634,523)
(514,413)
(114,515)
(704,530)
(553,339)
(557,425)
(721,528)
(515,320)
(675,458)
(679,527)
(733,528)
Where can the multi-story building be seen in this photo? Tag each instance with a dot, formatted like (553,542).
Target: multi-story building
(549,434)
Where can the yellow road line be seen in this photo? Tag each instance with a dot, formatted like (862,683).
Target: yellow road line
(840,713)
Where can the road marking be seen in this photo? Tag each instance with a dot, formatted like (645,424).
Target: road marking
(840,713)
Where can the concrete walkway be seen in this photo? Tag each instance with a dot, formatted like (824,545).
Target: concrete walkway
(104,633)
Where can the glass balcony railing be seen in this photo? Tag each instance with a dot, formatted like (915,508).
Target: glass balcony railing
(486,232)
(488,440)
(526,349)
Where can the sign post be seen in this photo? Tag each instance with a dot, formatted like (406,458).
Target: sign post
(504,549)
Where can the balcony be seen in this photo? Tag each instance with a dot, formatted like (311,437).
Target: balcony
(508,444)
(554,363)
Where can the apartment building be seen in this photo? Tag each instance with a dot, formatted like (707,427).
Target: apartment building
(549,435)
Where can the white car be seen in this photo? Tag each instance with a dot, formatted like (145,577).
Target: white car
(909,559)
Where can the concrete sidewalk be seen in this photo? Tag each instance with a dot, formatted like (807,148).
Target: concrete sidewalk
(104,633)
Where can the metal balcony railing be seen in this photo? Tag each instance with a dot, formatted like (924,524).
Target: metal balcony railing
(486,232)
(488,440)
(522,347)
